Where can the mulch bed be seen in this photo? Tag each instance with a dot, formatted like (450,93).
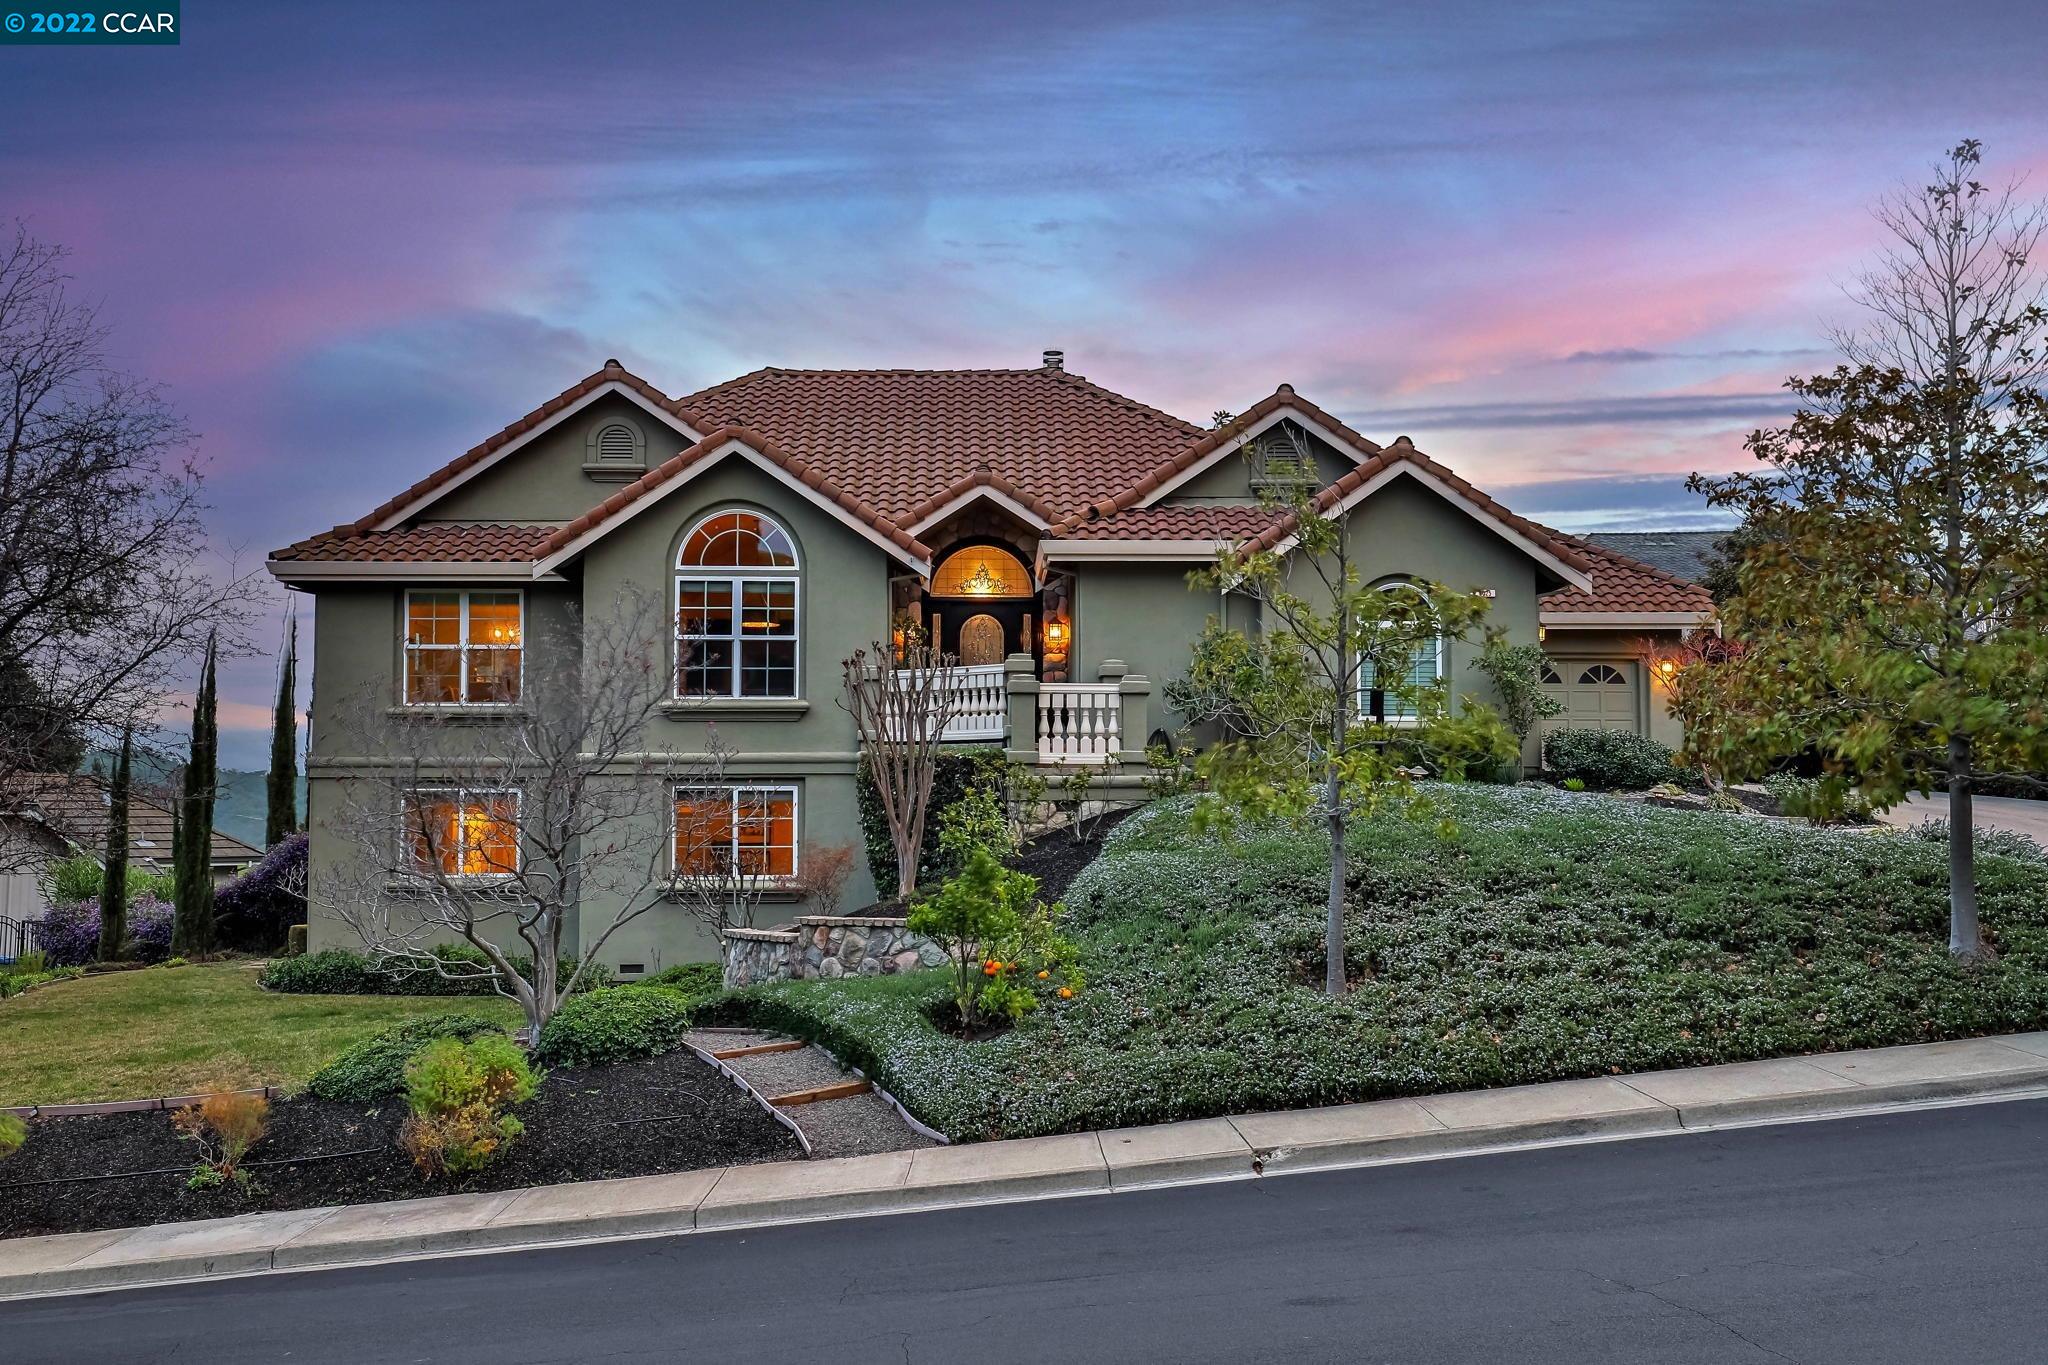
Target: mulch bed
(1056,859)
(663,1114)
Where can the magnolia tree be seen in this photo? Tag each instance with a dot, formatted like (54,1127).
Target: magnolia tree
(1292,697)
(901,699)
(503,829)
(1895,616)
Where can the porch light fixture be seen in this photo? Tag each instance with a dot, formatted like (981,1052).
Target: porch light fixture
(1667,667)
(1055,631)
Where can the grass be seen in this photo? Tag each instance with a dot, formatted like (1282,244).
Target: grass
(180,1030)
(1542,936)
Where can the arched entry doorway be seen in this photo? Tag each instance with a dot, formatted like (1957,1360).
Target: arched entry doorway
(982,604)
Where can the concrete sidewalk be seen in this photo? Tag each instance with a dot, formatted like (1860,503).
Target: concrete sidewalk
(1244,1147)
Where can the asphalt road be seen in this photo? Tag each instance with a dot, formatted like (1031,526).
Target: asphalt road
(1915,1237)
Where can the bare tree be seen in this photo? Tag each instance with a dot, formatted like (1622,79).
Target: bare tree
(501,829)
(106,588)
(901,699)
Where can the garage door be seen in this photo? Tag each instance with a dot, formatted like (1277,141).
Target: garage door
(1596,696)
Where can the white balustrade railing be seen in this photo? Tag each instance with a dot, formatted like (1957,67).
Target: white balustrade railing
(981,707)
(1079,722)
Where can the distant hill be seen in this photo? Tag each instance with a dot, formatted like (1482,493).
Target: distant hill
(240,807)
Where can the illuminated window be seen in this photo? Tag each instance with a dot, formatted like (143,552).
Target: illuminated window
(463,833)
(463,648)
(736,609)
(1397,705)
(749,830)
(982,571)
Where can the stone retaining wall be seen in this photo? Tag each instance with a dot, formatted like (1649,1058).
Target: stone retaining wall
(824,947)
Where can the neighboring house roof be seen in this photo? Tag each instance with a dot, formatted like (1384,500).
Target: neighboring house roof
(1682,554)
(891,452)
(1625,586)
(76,806)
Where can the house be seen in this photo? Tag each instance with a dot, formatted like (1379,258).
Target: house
(58,815)
(1040,527)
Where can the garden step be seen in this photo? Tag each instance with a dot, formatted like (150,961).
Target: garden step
(786,1045)
(786,1072)
(858,1125)
(837,1091)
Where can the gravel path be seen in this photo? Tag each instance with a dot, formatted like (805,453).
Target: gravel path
(854,1126)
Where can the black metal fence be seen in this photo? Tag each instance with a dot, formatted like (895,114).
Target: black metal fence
(19,938)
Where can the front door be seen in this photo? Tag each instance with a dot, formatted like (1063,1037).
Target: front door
(981,640)
(980,632)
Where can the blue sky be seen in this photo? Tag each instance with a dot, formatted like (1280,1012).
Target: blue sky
(1571,250)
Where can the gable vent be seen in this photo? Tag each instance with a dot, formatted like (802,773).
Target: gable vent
(615,445)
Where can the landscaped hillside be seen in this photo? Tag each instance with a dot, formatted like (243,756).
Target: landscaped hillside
(1540,935)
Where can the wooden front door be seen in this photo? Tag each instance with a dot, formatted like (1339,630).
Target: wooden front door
(981,640)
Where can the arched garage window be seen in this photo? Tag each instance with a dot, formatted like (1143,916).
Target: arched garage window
(736,608)
(1548,677)
(1603,675)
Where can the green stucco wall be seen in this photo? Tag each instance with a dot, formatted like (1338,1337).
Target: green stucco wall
(1229,480)
(544,481)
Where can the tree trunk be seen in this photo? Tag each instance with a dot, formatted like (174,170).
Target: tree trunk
(1965,936)
(1333,930)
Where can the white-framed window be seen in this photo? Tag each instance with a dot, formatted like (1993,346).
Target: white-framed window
(461,832)
(748,830)
(737,581)
(463,647)
(1425,668)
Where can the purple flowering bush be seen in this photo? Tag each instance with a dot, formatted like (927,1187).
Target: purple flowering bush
(257,909)
(71,931)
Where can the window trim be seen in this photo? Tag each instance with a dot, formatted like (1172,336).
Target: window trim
(462,796)
(736,578)
(1365,679)
(794,790)
(461,648)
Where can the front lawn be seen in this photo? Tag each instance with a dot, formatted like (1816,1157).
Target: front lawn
(181,1030)
(1548,936)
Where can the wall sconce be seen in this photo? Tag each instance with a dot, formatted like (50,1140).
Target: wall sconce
(1667,667)
(1055,632)
(1542,633)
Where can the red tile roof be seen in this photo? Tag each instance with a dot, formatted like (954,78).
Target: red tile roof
(1055,439)
(432,543)
(805,472)
(1184,521)
(1621,583)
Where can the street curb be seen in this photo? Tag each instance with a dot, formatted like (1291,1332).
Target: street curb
(1120,1161)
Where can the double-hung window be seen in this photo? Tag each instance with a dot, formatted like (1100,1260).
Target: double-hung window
(463,648)
(736,609)
(1394,702)
(462,833)
(745,831)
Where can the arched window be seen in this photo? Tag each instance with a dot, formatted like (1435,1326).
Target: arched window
(736,608)
(1425,667)
(1548,677)
(981,571)
(1606,675)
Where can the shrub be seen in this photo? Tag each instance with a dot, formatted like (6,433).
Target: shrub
(78,878)
(616,1024)
(976,821)
(694,980)
(13,1132)
(375,1067)
(1607,760)
(225,1126)
(1819,800)
(1575,784)
(2001,843)
(458,1093)
(257,910)
(958,772)
(821,874)
(1000,940)
(71,931)
(338,971)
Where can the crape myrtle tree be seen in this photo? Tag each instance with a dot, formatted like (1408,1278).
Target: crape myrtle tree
(1895,619)
(1290,696)
(901,699)
(106,586)
(552,816)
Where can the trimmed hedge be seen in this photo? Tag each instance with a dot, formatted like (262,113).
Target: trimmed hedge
(959,772)
(338,971)
(616,1024)
(375,1067)
(1544,937)
(1608,760)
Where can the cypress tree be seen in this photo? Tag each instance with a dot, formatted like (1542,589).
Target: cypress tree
(282,821)
(192,927)
(114,879)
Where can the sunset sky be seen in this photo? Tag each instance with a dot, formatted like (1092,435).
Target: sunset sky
(1572,250)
